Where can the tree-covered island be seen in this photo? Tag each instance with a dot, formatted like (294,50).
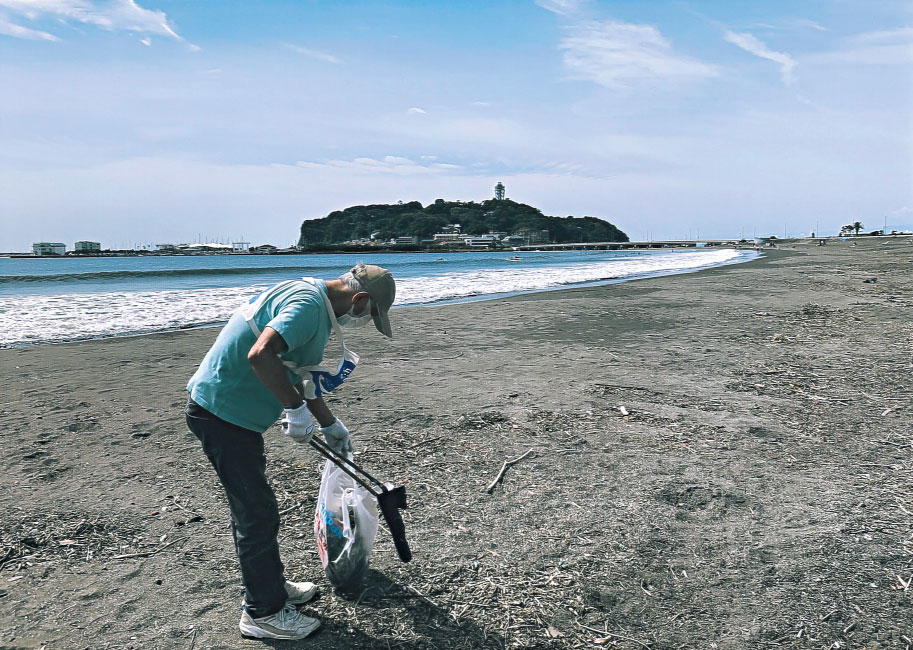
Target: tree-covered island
(494,223)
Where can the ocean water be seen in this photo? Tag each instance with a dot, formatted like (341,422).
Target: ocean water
(54,300)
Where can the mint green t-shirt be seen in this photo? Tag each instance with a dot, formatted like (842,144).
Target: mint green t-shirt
(225,383)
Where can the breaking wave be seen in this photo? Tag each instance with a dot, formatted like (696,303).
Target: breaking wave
(28,319)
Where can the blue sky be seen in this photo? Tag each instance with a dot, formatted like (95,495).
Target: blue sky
(172,120)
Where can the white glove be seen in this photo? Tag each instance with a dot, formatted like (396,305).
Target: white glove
(337,437)
(299,425)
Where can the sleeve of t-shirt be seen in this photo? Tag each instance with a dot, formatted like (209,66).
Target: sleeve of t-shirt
(297,322)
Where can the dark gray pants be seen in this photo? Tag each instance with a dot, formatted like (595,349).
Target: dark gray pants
(236,454)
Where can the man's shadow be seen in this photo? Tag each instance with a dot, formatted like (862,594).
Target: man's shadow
(427,617)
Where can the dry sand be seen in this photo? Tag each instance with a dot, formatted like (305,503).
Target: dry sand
(758,493)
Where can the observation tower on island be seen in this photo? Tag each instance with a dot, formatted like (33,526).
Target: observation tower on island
(499,191)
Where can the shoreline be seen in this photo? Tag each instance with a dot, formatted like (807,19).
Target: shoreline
(449,301)
(720,457)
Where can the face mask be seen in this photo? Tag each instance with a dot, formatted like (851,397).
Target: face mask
(349,319)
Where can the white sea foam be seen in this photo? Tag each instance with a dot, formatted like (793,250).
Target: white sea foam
(530,277)
(36,319)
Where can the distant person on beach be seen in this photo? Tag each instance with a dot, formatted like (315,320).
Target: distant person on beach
(264,361)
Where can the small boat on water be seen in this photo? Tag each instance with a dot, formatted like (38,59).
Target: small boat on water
(515,258)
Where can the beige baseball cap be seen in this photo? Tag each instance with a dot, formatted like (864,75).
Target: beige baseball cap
(379,284)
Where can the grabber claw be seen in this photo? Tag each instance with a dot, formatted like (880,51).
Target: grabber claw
(390,502)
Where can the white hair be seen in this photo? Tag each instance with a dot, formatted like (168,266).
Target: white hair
(349,280)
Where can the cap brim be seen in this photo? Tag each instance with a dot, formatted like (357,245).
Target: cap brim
(382,323)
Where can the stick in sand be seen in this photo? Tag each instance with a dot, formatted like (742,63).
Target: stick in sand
(500,476)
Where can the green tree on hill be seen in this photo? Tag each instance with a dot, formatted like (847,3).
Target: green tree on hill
(413,220)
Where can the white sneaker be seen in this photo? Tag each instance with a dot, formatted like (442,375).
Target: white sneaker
(299,592)
(287,623)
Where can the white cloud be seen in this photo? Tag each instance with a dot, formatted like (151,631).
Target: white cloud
(755,46)
(902,34)
(111,15)
(618,55)
(127,15)
(8,28)
(886,47)
(415,111)
(810,24)
(794,23)
(395,165)
(394,160)
(561,7)
(314,54)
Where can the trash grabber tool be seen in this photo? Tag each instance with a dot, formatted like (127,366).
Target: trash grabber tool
(390,499)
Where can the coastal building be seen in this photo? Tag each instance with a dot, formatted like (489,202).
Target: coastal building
(211,247)
(240,246)
(480,241)
(263,249)
(449,234)
(87,247)
(447,237)
(49,248)
(404,241)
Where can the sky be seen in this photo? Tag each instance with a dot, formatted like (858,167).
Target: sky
(171,121)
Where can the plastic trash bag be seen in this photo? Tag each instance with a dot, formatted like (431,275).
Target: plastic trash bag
(345,525)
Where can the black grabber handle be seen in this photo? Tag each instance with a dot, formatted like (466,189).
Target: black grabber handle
(342,462)
(390,502)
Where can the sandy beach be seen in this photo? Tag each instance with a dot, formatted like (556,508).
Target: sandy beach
(723,457)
